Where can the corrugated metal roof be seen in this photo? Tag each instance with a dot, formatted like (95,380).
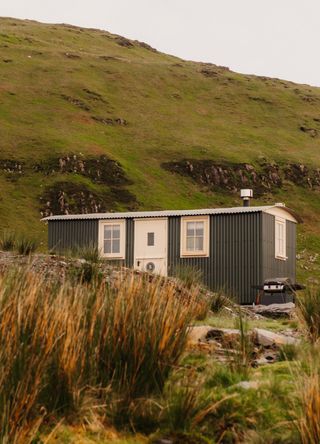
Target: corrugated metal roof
(168,213)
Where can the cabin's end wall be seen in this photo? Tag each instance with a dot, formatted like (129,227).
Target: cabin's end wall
(272,267)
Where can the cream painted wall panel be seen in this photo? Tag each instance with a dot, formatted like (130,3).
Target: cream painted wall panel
(150,245)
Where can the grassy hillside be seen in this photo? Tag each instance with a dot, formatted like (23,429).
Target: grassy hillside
(67,91)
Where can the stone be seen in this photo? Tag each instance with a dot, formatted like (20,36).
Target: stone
(247,385)
(275,310)
(268,338)
(223,334)
(198,333)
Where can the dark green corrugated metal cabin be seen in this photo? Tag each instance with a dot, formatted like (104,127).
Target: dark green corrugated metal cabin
(236,249)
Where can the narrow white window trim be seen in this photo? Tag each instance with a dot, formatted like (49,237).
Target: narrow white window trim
(280,239)
(117,240)
(194,238)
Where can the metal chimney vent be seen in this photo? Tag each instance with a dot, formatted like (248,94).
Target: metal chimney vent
(246,195)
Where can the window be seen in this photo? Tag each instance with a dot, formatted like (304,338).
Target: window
(150,239)
(112,239)
(280,238)
(195,236)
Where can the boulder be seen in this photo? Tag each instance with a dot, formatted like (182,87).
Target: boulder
(212,335)
(223,334)
(268,338)
(275,310)
(247,385)
(198,333)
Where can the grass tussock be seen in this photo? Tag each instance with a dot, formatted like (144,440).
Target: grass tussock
(218,301)
(61,344)
(306,406)
(7,241)
(190,276)
(308,306)
(26,246)
(22,244)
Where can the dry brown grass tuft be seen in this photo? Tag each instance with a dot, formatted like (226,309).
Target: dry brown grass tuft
(61,344)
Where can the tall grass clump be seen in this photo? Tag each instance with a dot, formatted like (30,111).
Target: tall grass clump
(241,351)
(306,405)
(308,306)
(143,331)
(63,343)
(28,331)
(25,246)
(90,253)
(7,240)
(89,269)
(190,276)
(218,301)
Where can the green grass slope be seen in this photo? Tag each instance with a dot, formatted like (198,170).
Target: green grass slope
(72,91)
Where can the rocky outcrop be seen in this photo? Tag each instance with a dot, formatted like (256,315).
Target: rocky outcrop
(232,177)
(76,102)
(110,121)
(12,167)
(313,132)
(100,169)
(71,198)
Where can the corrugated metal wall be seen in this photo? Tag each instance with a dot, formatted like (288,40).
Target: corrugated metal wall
(67,234)
(237,254)
(272,267)
(241,250)
(205,264)
(129,243)
(234,263)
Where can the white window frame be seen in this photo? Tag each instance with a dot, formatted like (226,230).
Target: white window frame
(282,255)
(183,236)
(121,254)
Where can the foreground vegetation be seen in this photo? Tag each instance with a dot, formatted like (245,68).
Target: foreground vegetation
(96,361)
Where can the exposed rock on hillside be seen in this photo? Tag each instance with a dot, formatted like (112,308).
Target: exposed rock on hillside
(313,132)
(71,198)
(232,177)
(100,169)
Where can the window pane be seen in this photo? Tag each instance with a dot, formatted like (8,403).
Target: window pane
(116,231)
(190,243)
(199,229)
(150,239)
(280,234)
(107,231)
(107,246)
(190,228)
(116,246)
(199,243)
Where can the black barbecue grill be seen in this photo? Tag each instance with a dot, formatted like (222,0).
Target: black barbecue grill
(277,291)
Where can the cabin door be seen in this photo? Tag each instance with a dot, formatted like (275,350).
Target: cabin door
(150,245)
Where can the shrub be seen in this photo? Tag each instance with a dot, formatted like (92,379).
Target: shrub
(26,246)
(309,313)
(7,241)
